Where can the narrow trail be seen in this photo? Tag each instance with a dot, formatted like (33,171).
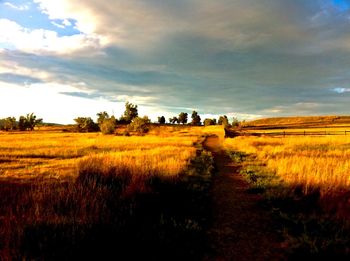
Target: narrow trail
(241,229)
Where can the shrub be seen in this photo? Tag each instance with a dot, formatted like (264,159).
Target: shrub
(85,124)
(208,122)
(108,126)
(140,125)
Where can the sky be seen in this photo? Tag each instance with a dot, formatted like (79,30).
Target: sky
(243,58)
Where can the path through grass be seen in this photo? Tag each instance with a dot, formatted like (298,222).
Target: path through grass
(241,230)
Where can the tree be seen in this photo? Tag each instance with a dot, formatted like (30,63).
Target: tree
(101,116)
(235,122)
(28,122)
(85,124)
(223,120)
(130,112)
(22,123)
(183,118)
(174,120)
(161,120)
(196,119)
(9,123)
(208,122)
(32,121)
(108,125)
(140,125)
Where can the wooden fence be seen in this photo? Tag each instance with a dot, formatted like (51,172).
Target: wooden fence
(296,133)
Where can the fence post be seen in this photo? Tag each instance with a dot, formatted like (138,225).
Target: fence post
(345,133)
(304,133)
(284,134)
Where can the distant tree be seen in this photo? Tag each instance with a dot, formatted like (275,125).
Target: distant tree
(174,120)
(28,122)
(208,122)
(196,119)
(108,125)
(33,121)
(86,124)
(130,113)
(183,116)
(161,120)
(223,120)
(235,122)
(140,125)
(9,123)
(22,123)
(101,116)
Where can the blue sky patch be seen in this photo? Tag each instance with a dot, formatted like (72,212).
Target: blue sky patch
(28,15)
(342,5)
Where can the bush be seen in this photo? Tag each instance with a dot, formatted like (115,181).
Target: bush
(108,126)
(208,122)
(140,125)
(85,124)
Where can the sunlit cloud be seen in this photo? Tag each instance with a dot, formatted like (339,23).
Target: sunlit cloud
(243,58)
(41,40)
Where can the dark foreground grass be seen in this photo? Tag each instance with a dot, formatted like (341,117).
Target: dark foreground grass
(309,223)
(108,215)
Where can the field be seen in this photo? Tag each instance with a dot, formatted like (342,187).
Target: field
(56,155)
(304,181)
(308,161)
(66,195)
(62,192)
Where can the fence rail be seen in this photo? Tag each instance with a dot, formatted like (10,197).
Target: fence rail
(297,133)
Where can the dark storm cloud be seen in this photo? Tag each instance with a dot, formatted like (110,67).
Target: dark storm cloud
(274,57)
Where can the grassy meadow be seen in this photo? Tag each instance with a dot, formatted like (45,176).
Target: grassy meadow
(56,155)
(70,196)
(90,196)
(305,183)
(322,162)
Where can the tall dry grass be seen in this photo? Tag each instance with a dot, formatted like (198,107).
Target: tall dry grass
(56,155)
(69,196)
(305,183)
(309,161)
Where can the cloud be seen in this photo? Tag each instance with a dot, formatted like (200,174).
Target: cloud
(341,90)
(45,41)
(19,79)
(23,7)
(244,57)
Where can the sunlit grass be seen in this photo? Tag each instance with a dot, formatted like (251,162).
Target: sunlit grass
(83,195)
(56,154)
(309,161)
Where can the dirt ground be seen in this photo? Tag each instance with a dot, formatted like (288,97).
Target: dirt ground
(241,229)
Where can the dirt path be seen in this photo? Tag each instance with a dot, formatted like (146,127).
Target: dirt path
(241,230)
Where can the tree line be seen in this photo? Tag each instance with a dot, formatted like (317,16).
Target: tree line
(107,123)
(24,123)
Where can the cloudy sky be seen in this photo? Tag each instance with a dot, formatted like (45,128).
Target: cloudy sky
(245,58)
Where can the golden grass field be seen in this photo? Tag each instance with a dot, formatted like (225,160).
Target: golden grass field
(300,121)
(53,154)
(71,196)
(309,161)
